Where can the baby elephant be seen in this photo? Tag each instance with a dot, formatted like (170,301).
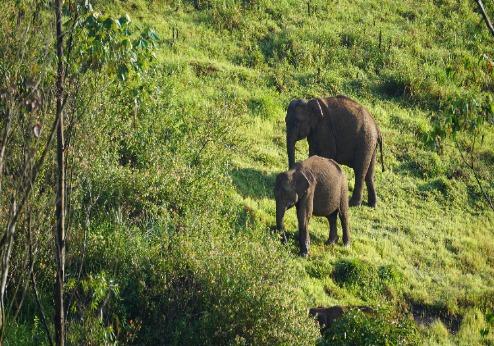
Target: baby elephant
(316,186)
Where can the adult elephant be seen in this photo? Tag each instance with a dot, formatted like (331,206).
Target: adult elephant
(341,129)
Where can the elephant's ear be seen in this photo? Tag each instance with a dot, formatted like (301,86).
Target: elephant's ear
(316,108)
(293,104)
(283,183)
(290,113)
(286,185)
(302,183)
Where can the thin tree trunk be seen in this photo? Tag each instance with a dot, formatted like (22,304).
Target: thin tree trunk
(3,143)
(35,289)
(5,261)
(486,17)
(60,202)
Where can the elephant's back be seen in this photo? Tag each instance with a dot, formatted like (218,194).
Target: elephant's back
(354,127)
(332,173)
(344,110)
(320,165)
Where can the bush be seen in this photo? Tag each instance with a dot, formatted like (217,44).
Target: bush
(318,268)
(204,287)
(427,164)
(357,328)
(390,274)
(358,276)
(364,279)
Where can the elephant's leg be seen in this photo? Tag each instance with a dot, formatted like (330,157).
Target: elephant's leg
(356,199)
(360,166)
(344,225)
(333,236)
(303,233)
(369,181)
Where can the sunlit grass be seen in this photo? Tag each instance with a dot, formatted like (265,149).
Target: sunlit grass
(432,227)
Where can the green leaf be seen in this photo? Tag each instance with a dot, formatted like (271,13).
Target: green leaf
(152,35)
(490,318)
(108,23)
(123,71)
(124,20)
(141,43)
(126,44)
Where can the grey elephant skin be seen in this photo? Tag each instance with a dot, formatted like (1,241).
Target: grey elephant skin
(316,186)
(341,129)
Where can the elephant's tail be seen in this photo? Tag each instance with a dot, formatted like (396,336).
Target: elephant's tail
(380,142)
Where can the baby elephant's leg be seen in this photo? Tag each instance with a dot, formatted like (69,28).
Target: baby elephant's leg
(333,236)
(345,227)
(303,232)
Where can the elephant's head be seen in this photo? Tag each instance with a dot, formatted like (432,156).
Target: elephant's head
(289,188)
(302,117)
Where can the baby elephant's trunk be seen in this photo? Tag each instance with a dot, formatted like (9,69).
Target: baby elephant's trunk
(280,214)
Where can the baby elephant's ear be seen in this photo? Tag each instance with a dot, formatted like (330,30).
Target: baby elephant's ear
(316,108)
(302,183)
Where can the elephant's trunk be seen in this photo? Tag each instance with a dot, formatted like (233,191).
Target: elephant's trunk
(290,149)
(280,214)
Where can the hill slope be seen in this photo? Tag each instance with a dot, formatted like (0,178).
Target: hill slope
(217,94)
(431,226)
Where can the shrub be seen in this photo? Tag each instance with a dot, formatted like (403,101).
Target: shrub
(364,279)
(427,164)
(358,276)
(390,274)
(317,268)
(357,328)
(204,287)
(265,106)
(394,85)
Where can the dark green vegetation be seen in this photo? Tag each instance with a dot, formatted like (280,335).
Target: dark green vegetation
(172,162)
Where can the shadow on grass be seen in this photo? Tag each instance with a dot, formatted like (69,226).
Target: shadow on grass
(425,314)
(253,183)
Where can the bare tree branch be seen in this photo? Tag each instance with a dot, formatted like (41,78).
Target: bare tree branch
(474,171)
(30,266)
(41,310)
(3,143)
(36,170)
(486,17)
(5,261)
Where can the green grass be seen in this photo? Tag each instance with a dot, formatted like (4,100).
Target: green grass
(428,245)
(433,231)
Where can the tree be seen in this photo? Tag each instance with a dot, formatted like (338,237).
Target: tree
(39,84)
(485,16)
(464,119)
(60,201)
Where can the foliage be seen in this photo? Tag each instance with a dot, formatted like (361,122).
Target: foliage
(205,289)
(106,41)
(356,328)
(464,113)
(91,300)
(363,278)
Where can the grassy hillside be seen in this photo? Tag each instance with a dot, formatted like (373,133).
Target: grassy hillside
(430,227)
(217,93)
